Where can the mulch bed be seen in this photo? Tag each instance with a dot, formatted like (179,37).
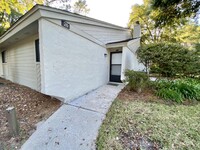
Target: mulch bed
(31,108)
(146,95)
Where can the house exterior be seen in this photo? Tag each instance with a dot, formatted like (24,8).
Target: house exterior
(66,55)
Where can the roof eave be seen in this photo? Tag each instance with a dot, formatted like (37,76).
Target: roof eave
(42,7)
(38,7)
(20,20)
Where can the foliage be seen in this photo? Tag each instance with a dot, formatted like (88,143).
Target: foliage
(146,18)
(170,94)
(188,34)
(177,8)
(170,60)
(179,90)
(181,30)
(60,4)
(197,46)
(8,19)
(136,80)
(128,121)
(11,10)
(80,7)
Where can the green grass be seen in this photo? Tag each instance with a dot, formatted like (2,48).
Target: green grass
(171,126)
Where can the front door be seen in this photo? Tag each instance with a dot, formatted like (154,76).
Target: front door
(115,66)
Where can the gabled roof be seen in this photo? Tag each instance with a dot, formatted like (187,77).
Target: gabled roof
(77,15)
(38,7)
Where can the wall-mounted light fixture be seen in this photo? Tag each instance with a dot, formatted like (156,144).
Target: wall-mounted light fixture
(105,55)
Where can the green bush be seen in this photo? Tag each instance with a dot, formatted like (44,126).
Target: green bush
(178,90)
(170,94)
(136,80)
(170,60)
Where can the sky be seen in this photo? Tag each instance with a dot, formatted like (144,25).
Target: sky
(113,11)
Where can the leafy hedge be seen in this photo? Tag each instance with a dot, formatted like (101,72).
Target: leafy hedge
(178,90)
(169,60)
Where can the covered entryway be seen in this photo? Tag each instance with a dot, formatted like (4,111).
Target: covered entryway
(115,66)
(123,56)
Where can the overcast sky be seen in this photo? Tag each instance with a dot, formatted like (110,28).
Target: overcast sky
(113,11)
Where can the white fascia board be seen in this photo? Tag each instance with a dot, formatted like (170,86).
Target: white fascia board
(122,44)
(54,13)
(133,45)
(80,33)
(27,19)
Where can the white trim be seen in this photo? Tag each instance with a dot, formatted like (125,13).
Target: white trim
(42,73)
(122,44)
(103,23)
(135,42)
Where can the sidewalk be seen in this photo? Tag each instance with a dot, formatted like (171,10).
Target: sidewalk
(74,126)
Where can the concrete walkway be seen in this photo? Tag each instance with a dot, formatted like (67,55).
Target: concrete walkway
(74,126)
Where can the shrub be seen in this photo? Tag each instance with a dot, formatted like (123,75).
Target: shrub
(170,60)
(178,90)
(136,80)
(170,94)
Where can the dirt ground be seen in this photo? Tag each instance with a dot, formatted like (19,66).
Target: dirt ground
(146,95)
(31,108)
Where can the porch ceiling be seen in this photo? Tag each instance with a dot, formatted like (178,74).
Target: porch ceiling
(31,29)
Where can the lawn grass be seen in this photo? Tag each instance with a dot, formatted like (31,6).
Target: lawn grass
(164,126)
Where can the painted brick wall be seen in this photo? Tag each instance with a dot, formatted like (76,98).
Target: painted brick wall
(70,64)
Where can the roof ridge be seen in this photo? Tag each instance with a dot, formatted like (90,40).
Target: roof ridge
(40,5)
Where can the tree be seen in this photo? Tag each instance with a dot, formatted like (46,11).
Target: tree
(80,7)
(11,10)
(147,18)
(7,13)
(183,30)
(171,10)
(188,35)
(8,19)
(61,4)
(167,59)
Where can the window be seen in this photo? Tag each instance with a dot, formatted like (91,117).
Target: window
(3,55)
(37,50)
